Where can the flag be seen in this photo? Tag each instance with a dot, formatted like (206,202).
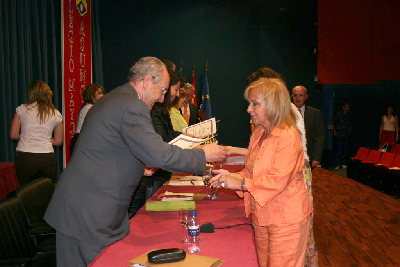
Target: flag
(194,101)
(205,97)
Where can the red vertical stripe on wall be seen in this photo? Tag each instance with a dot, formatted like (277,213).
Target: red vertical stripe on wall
(358,41)
(345,41)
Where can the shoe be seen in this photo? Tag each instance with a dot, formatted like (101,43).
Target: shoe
(344,166)
(337,167)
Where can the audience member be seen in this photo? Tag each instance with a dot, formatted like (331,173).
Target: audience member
(389,131)
(92,93)
(178,122)
(89,208)
(272,182)
(342,131)
(33,125)
(314,125)
(189,110)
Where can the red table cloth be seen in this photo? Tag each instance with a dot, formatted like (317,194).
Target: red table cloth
(158,230)
(8,179)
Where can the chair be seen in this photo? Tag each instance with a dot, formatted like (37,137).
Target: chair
(396,149)
(353,163)
(17,247)
(391,178)
(377,171)
(363,172)
(35,197)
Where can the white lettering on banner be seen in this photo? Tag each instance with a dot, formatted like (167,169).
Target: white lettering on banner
(72,109)
(82,40)
(71,65)
(71,21)
(82,30)
(71,36)
(82,76)
(72,128)
(82,58)
(71,86)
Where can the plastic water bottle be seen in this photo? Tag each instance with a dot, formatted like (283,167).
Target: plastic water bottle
(193,243)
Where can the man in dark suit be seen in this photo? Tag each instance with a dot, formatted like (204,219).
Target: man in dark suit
(314,125)
(89,208)
(189,110)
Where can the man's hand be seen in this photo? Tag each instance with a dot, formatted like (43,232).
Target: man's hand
(215,153)
(149,171)
(314,163)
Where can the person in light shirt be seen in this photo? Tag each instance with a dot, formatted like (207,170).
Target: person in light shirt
(177,120)
(33,125)
(93,92)
(272,182)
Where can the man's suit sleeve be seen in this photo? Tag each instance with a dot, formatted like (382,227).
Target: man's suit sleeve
(319,137)
(139,135)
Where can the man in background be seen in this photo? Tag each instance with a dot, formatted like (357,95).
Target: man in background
(342,131)
(314,125)
(189,110)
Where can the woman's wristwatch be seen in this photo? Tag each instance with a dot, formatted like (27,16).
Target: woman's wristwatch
(243,185)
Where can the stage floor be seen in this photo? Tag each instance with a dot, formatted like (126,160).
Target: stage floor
(354,225)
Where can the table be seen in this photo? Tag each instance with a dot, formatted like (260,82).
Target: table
(8,179)
(157,230)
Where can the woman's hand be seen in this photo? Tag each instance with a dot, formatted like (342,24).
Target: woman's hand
(227,181)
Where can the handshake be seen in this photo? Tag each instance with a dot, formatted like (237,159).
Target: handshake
(215,153)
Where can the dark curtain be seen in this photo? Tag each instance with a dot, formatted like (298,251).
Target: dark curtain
(30,49)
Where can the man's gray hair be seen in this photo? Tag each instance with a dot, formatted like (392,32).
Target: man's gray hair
(144,66)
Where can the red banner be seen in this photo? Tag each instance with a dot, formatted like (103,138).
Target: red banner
(76,62)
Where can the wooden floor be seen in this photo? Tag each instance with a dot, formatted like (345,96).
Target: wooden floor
(354,225)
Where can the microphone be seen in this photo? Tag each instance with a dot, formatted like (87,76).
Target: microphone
(207,228)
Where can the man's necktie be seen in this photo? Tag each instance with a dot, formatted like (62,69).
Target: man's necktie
(186,113)
(300,112)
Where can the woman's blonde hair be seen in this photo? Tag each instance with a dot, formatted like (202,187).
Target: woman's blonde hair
(279,111)
(40,93)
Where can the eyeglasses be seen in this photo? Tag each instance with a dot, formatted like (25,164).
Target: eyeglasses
(163,90)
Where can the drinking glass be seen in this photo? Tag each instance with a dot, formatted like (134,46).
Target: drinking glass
(184,216)
(211,192)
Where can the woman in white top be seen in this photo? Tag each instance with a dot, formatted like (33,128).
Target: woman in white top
(93,92)
(389,132)
(33,125)
(177,120)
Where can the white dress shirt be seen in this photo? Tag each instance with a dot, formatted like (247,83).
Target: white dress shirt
(36,137)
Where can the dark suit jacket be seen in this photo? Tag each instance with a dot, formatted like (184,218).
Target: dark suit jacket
(193,118)
(193,114)
(162,124)
(92,197)
(315,133)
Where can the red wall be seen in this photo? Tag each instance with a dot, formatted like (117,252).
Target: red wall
(358,41)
